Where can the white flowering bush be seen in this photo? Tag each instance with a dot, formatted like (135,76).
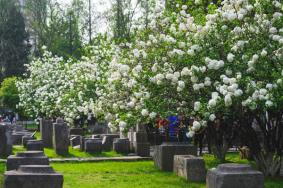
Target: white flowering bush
(69,89)
(225,72)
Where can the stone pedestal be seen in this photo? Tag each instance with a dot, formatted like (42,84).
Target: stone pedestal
(34,145)
(26,158)
(18,136)
(140,142)
(107,141)
(234,176)
(5,146)
(121,145)
(75,140)
(93,145)
(25,139)
(77,131)
(60,137)
(46,131)
(33,176)
(190,167)
(163,155)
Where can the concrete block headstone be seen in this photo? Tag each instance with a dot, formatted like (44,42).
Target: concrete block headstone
(190,167)
(26,158)
(60,137)
(163,154)
(33,176)
(46,131)
(234,176)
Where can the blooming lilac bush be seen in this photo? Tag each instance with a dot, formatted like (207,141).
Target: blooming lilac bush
(225,72)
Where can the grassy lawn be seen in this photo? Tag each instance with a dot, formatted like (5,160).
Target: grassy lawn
(140,174)
(72,153)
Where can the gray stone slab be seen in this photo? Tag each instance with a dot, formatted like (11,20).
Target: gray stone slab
(93,145)
(46,132)
(75,140)
(26,158)
(35,145)
(5,140)
(281,168)
(142,149)
(234,176)
(107,141)
(18,136)
(163,155)
(25,139)
(33,176)
(190,167)
(60,137)
(121,145)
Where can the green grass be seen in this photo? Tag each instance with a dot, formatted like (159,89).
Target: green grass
(119,175)
(125,174)
(140,174)
(72,153)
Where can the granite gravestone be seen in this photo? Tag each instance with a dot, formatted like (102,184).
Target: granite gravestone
(46,131)
(121,145)
(234,176)
(163,155)
(60,137)
(26,158)
(33,176)
(5,141)
(190,167)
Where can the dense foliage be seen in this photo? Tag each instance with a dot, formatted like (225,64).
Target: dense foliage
(14,40)
(225,72)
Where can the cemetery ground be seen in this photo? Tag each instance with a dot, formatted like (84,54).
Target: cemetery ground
(131,174)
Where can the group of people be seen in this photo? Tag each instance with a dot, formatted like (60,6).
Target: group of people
(173,128)
(9,118)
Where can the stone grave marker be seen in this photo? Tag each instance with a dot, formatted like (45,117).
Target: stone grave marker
(26,158)
(190,167)
(163,154)
(234,176)
(33,176)
(60,137)
(46,132)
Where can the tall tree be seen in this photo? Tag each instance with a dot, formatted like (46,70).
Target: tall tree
(14,40)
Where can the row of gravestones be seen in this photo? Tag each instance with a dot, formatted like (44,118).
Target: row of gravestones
(182,159)
(137,142)
(12,135)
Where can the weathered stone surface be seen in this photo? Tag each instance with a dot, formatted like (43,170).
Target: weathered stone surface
(190,167)
(140,128)
(75,140)
(18,136)
(163,154)
(60,137)
(140,141)
(121,145)
(5,141)
(26,158)
(142,149)
(33,176)
(93,145)
(77,131)
(25,139)
(34,145)
(140,137)
(234,176)
(281,169)
(107,141)
(46,131)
